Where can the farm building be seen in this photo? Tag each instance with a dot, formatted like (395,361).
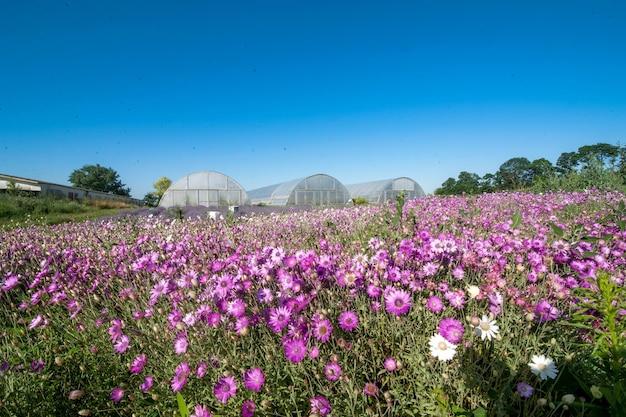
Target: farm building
(48,189)
(378,192)
(205,188)
(316,190)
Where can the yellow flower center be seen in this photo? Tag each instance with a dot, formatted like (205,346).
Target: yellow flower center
(484,325)
(542,366)
(442,346)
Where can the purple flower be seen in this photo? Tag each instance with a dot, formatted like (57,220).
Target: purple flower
(138,364)
(545,311)
(390,364)
(370,389)
(434,304)
(253,379)
(451,329)
(332,371)
(320,405)
(147,384)
(248,409)
(201,369)
(115,331)
(398,301)
(35,322)
(322,330)
(225,388)
(348,320)
(200,411)
(180,344)
(180,377)
(36,366)
(295,350)
(117,394)
(314,352)
(524,390)
(279,318)
(10,282)
(122,344)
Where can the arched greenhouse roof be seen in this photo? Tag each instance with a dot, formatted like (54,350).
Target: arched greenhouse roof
(378,192)
(205,188)
(316,190)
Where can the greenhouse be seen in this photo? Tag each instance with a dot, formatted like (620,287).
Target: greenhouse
(316,190)
(205,188)
(378,192)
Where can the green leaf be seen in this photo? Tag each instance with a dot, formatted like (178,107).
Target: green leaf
(517,220)
(480,412)
(556,229)
(182,405)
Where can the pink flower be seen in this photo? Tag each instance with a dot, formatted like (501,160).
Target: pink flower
(201,411)
(434,304)
(390,364)
(320,405)
(314,352)
(115,331)
(279,318)
(451,329)
(138,364)
(295,350)
(348,320)
(398,301)
(147,384)
(180,344)
(248,409)
(370,389)
(322,330)
(122,344)
(35,322)
(117,394)
(332,371)
(180,377)
(253,379)
(201,369)
(225,388)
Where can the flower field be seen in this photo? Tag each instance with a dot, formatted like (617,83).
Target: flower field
(500,304)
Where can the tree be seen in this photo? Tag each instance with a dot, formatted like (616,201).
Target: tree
(99,178)
(604,152)
(567,162)
(468,183)
(160,187)
(541,168)
(514,174)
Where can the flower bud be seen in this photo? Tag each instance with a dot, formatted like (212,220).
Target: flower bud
(76,394)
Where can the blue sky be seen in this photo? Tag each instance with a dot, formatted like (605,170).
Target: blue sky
(268,91)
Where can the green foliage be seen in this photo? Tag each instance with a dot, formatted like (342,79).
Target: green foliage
(358,201)
(600,317)
(592,166)
(49,210)
(98,178)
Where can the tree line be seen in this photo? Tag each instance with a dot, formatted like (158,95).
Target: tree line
(591,166)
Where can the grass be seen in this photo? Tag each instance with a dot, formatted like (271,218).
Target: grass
(16,210)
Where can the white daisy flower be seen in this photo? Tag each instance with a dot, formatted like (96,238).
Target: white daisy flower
(440,348)
(543,366)
(486,328)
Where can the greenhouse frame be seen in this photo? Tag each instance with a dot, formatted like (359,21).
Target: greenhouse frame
(378,192)
(315,190)
(205,188)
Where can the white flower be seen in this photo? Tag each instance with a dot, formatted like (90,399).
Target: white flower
(543,366)
(486,328)
(440,348)
(473,291)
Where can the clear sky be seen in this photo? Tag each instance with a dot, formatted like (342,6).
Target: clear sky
(269,91)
